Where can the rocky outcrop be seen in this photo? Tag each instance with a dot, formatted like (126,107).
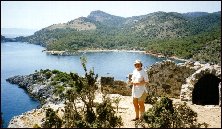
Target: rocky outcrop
(27,119)
(37,86)
(35,117)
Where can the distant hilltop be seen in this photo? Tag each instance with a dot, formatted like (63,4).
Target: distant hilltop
(192,35)
(112,20)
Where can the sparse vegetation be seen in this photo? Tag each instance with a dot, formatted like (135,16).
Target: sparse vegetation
(82,111)
(164,114)
(51,119)
(101,116)
(81,90)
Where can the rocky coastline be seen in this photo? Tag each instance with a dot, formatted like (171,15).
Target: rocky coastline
(160,55)
(40,90)
(69,53)
(39,85)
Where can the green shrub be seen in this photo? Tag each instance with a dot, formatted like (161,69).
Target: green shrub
(62,77)
(150,99)
(106,115)
(59,90)
(51,119)
(48,74)
(46,70)
(164,115)
(88,116)
(55,71)
(53,83)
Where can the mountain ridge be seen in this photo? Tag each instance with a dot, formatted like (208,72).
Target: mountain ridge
(102,16)
(100,30)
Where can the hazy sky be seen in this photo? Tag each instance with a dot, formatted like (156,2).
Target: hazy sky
(40,14)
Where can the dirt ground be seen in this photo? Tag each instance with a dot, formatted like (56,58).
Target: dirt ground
(209,114)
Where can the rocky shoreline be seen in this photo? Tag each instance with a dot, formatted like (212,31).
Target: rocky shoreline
(41,91)
(160,55)
(69,53)
(39,85)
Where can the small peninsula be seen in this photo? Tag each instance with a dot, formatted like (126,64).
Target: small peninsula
(49,86)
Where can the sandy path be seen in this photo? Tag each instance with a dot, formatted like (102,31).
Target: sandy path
(210,114)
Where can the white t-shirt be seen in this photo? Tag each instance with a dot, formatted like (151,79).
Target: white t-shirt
(138,76)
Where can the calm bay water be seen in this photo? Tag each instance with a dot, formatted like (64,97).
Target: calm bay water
(22,59)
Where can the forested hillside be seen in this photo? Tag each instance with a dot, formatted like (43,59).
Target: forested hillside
(195,35)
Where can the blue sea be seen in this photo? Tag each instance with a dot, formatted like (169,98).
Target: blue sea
(19,58)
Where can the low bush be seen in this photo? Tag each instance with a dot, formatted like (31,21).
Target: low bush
(164,114)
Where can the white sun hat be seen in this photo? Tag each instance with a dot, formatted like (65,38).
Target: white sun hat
(137,62)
